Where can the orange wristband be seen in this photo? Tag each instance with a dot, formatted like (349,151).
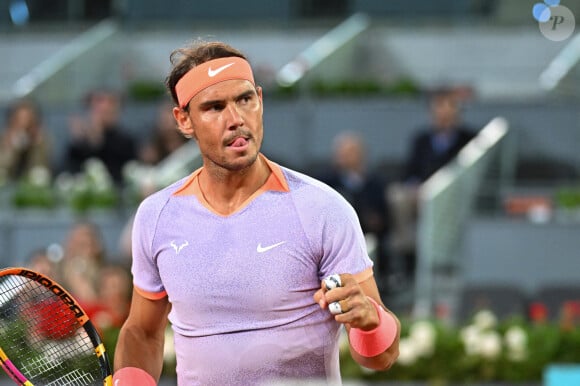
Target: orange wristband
(378,340)
(133,376)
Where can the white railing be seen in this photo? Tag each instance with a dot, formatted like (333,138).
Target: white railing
(321,49)
(561,65)
(446,202)
(64,57)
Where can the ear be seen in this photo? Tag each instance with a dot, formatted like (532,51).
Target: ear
(183,122)
(259,92)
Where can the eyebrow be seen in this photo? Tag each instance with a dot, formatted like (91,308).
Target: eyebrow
(214,102)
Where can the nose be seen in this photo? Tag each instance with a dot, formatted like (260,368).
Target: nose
(233,116)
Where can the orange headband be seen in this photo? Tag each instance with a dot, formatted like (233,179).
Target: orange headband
(210,73)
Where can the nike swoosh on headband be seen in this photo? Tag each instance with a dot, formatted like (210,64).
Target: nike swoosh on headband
(211,73)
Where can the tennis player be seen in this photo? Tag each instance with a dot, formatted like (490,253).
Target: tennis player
(236,255)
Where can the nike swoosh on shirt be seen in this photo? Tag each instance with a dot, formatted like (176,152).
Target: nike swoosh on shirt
(261,249)
(211,73)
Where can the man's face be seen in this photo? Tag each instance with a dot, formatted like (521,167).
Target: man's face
(349,154)
(226,121)
(445,111)
(105,109)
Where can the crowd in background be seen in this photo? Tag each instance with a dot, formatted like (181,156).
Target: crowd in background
(99,278)
(25,143)
(386,207)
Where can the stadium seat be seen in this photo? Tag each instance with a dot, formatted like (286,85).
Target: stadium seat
(558,298)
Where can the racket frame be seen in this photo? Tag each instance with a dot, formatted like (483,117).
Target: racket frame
(51,285)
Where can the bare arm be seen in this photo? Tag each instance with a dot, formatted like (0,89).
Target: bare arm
(359,312)
(141,339)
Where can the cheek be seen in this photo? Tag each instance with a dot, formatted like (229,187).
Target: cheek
(206,138)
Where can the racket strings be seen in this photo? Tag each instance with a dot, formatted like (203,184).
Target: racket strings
(42,337)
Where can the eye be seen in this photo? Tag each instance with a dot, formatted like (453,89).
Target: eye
(214,107)
(246,99)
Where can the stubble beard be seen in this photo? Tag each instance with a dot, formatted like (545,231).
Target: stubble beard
(223,166)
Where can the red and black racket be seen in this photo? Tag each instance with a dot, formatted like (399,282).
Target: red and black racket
(46,338)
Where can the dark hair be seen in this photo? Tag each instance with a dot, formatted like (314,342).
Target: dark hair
(24,103)
(185,58)
(442,92)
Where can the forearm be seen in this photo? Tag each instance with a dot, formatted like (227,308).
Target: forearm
(137,349)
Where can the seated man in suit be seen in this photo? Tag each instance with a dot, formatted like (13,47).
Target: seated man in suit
(432,147)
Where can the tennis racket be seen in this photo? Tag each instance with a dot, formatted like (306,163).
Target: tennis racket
(45,336)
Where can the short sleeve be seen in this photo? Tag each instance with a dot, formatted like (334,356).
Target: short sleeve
(343,242)
(146,277)
(333,230)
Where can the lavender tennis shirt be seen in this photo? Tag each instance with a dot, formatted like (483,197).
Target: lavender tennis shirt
(241,285)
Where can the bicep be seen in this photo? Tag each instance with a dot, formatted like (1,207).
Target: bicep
(148,315)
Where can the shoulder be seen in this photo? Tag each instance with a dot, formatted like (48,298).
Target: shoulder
(298,180)
(312,192)
(120,134)
(155,202)
(423,134)
(465,134)
(467,131)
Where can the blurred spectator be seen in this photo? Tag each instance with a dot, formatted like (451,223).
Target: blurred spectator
(432,147)
(24,143)
(351,177)
(439,142)
(103,290)
(39,261)
(84,255)
(164,139)
(100,135)
(114,290)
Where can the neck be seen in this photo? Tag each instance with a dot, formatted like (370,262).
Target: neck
(225,191)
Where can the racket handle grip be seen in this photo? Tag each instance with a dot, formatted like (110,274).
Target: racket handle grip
(133,376)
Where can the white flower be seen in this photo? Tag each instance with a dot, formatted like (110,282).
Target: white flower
(39,176)
(471,336)
(98,174)
(423,334)
(516,341)
(94,167)
(516,338)
(130,169)
(485,319)
(490,345)
(343,342)
(64,182)
(408,353)
(478,341)
(103,186)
